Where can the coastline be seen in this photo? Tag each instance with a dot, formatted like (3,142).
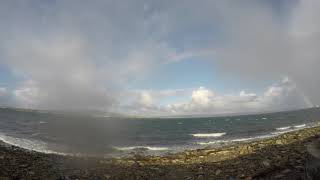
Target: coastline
(280,157)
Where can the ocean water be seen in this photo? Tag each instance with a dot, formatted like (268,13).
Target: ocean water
(107,136)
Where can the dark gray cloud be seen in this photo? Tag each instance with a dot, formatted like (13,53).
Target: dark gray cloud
(74,54)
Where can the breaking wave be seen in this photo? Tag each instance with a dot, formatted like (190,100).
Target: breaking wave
(235,140)
(300,126)
(147,148)
(209,135)
(283,128)
(32,145)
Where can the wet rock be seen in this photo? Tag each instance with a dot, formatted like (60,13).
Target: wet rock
(299,167)
(266,163)
(200,177)
(279,176)
(286,171)
(218,172)
(242,176)
(107,176)
(279,142)
(64,178)
(23,165)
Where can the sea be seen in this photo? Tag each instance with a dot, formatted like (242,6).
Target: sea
(95,135)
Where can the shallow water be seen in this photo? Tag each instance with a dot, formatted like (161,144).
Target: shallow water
(71,133)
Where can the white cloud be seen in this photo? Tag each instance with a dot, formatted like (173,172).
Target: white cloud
(280,96)
(146,99)
(202,96)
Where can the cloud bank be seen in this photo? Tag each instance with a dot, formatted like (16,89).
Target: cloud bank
(202,101)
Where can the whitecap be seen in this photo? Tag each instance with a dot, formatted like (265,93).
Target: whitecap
(283,128)
(212,142)
(282,132)
(150,148)
(209,135)
(300,126)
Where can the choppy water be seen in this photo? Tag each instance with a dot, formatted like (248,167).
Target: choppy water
(62,133)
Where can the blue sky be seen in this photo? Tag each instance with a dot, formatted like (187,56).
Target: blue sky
(159,58)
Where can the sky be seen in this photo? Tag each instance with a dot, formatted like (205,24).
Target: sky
(160,58)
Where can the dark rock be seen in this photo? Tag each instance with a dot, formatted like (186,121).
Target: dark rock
(200,177)
(286,171)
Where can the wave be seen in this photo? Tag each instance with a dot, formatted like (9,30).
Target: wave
(27,144)
(290,128)
(282,132)
(300,126)
(287,129)
(209,135)
(283,128)
(235,140)
(148,148)
(212,142)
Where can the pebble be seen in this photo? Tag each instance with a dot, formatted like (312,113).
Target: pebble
(200,177)
(107,176)
(218,172)
(286,171)
(266,163)
(279,176)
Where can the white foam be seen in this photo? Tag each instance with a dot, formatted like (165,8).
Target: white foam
(130,148)
(283,128)
(300,126)
(209,135)
(32,145)
(282,132)
(235,140)
(212,142)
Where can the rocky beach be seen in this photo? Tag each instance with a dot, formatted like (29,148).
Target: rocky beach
(280,157)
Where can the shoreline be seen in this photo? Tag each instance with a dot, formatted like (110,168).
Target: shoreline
(280,157)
